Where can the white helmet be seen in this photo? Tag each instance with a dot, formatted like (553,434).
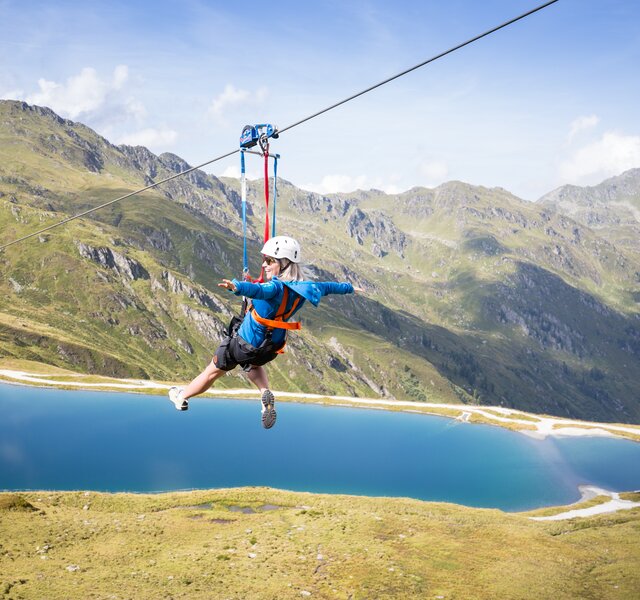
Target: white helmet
(282,246)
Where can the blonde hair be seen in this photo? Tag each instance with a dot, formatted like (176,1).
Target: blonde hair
(290,271)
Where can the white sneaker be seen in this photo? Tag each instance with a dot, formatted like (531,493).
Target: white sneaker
(175,395)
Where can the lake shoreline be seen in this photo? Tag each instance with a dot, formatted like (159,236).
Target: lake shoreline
(536,426)
(613,504)
(530,424)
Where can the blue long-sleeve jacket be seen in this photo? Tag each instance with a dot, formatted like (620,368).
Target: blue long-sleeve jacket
(266,298)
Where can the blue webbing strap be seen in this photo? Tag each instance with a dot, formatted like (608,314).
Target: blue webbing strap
(243,190)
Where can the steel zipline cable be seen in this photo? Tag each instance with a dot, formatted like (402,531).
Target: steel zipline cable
(288,127)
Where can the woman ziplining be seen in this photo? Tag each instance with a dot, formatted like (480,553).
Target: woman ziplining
(261,334)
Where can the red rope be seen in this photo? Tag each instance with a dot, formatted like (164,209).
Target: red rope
(266,194)
(266,203)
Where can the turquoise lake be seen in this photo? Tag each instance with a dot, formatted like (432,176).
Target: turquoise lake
(62,440)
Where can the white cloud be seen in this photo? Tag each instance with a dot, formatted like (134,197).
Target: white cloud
(435,172)
(120,76)
(612,154)
(332,184)
(582,123)
(158,139)
(83,94)
(136,109)
(231,171)
(13,95)
(343,184)
(232,97)
(252,173)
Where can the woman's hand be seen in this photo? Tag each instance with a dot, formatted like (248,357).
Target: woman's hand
(357,290)
(227,284)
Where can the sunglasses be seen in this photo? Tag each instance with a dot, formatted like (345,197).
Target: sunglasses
(269,260)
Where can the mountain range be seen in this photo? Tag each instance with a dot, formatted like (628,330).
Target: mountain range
(472,294)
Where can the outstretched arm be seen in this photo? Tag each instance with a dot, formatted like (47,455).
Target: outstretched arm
(332,287)
(259,291)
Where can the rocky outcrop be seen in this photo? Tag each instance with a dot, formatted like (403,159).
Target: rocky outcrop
(329,208)
(571,198)
(200,179)
(208,326)
(177,286)
(612,207)
(142,160)
(386,237)
(110,259)
(156,238)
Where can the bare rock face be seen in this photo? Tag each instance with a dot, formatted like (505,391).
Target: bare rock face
(203,298)
(208,326)
(109,259)
(614,203)
(386,237)
(331,208)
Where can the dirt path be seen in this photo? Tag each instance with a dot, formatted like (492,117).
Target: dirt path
(613,505)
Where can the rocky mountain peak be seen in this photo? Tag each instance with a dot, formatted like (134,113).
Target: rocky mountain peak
(16,109)
(624,187)
(613,204)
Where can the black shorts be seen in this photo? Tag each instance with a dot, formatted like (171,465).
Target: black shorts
(234,351)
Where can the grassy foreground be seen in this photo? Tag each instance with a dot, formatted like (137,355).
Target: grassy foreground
(268,544)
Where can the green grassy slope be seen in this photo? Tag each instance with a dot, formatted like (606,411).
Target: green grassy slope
(269,544)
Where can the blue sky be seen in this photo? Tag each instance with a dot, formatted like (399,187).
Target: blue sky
(548,101)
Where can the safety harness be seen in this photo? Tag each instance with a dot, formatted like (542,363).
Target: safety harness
(282,314)
(278,322)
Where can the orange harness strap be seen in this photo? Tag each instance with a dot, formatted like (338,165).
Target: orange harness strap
(278,322)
